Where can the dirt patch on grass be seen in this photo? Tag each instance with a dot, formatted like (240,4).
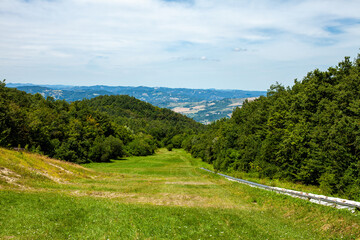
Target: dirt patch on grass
(185,200)
(47,175)
(104,194)
(341,226)
(8,175)
(160,199)
(61,168)
(326,227)
(351,228)
(190,183)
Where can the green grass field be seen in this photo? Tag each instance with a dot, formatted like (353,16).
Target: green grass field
(165,196)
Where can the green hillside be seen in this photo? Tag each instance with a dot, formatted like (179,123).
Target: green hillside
(164,196)
(161,123)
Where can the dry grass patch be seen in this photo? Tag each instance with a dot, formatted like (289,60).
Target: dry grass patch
(160,199)
(190,183)
(102,194)
(8,175)
(184,200)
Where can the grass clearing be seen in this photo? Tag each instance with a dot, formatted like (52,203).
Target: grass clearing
(164,196)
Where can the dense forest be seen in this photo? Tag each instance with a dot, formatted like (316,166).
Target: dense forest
(78,132)
(308,133)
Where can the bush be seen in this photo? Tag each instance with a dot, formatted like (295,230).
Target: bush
(104,149)
(170,147)
(142,145)
(177,140)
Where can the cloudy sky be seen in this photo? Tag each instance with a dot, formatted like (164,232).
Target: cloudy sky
(224,44)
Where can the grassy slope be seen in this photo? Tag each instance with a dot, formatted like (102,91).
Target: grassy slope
(157,197)
(21,170)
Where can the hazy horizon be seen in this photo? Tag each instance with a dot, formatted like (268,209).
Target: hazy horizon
(68,85)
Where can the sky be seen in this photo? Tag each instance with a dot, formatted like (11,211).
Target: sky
(222,44)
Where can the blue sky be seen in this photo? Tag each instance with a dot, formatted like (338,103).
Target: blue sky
(224,44)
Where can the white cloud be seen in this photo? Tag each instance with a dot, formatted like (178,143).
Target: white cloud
(137,35)
(240,49)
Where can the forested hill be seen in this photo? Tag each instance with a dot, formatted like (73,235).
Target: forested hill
(78,132)
(307,133)
(161,123)
(130,107)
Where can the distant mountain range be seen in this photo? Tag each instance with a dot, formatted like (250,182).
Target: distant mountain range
(203,105)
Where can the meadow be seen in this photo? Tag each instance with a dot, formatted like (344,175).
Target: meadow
(164,196)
